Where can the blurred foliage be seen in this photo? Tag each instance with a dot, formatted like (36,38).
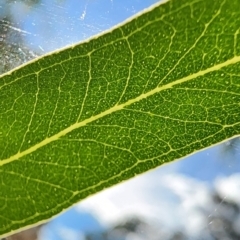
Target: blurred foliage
(223,224)
(28,2)
(13,51)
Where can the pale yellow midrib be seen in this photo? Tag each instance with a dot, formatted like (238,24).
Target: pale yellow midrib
(117,108)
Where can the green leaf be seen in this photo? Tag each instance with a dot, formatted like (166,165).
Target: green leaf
(160,87)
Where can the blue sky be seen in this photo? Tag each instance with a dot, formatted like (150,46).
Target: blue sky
(54,24)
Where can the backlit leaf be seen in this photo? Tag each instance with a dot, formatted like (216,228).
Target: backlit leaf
(160,87)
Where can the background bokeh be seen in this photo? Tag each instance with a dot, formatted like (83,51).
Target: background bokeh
(193,198)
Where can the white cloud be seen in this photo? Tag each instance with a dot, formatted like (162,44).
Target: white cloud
(67,233)
(172,200)
(229,188)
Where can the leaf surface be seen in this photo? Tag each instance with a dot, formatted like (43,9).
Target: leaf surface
(160,87)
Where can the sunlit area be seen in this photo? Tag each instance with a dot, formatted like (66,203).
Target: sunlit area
(197,197)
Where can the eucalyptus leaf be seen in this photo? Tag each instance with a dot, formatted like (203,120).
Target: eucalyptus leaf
(161,86)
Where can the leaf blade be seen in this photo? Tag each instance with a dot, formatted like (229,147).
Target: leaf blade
(119,104)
